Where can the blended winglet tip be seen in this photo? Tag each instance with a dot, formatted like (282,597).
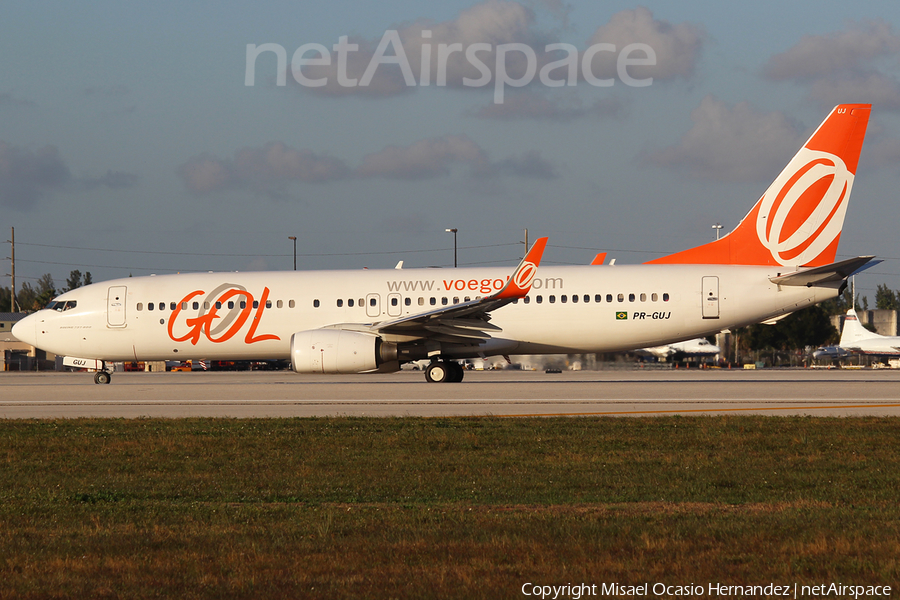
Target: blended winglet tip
(519,284)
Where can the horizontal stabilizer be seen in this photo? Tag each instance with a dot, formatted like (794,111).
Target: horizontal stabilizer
(818,276)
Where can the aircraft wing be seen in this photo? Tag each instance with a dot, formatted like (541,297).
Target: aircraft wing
(826,274)
(467,321)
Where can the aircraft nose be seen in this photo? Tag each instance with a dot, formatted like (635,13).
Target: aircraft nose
(24,330)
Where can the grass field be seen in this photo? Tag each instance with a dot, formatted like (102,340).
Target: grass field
(442,508)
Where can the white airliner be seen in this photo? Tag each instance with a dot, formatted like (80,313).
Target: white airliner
(779,259)
(856,338)
(677,350)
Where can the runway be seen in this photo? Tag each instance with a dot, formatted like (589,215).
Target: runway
(614,393)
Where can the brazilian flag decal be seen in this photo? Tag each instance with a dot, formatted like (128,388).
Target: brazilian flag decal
(621,315)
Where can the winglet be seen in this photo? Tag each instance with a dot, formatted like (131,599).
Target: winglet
(598,260)
(519,284)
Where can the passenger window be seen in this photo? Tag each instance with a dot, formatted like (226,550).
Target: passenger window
(372,302)
(184,306)
(552,299)
(609,297)
(269,303)
(291,304)
(598,298)
(631,297)
(140,306)
(206,305)
(587,298)
(256,304)
(643,297)
(665,297)
(455,299)
(527,299)
(538,299)
(315,303)
(149,306)
(444,301)
(574,297)
(218,305)
(173,305)
(350,302)
(243,304)
(196,305)
(432,300)
(563,299)
(421,301)
(654,297)
(280,304)
(621,297)
(407,301)
(394,302)
(340,303)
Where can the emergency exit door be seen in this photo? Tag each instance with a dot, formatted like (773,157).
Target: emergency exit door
(710,298)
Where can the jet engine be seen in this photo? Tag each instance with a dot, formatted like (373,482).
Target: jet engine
(337,351)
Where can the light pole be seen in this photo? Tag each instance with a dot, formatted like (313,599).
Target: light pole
(453,231)
(293,238)
(718,228)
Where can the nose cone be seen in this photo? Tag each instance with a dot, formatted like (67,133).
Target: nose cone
(24,330)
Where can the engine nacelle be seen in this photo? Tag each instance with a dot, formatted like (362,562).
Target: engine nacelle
(340,352)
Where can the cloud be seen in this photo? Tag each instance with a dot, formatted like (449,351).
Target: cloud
(731,143)
(114,180)
(26,176)
(424,159)
(677,47)
(265,169)
(271,168)
(816,56)
(8,99)
(863,88)
(492,22)
(529,165)
(494,44)
(541,107)
(841,67)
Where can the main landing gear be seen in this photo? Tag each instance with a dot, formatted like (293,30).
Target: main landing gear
(443,371)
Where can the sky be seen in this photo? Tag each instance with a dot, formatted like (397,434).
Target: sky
(140,138)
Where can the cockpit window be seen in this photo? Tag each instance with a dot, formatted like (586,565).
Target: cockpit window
(61,305)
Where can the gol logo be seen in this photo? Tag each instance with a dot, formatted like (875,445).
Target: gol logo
(802,212)
(524,275)
(221,328)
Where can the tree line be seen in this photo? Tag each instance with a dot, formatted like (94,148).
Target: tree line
(35,297)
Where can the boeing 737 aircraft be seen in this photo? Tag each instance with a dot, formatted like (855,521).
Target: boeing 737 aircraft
(779,259)
(856,338)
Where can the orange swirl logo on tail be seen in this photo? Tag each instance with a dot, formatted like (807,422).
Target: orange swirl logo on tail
(802,212)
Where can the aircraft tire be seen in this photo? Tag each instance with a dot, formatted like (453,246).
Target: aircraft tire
(456,371)
(437,372)
(102,377)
